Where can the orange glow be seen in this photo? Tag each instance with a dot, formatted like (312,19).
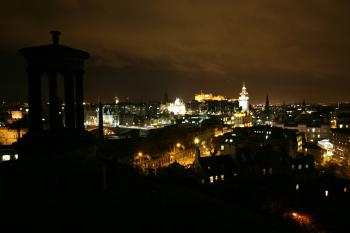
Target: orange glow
(300,218)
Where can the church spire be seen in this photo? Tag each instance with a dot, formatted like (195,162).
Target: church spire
(267,104)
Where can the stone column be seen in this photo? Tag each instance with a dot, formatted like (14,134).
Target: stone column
(53,100)
(79,95)
(34,99)
(69,100)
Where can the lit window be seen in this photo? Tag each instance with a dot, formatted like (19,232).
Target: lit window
(264,171)
(326,193)
(211,179)
(297,187)
(300,166)
(345,190)
(222,147)
(270,170)
(222,177)
(293,166)
(231,140)
(203,181)
(318,135)
(6,158)
(307,165)
(16,156)
(216,177)
(235,174)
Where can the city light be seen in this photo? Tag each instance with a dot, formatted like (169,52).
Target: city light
(6,158)
(299,218)
(196,141)
(165,153)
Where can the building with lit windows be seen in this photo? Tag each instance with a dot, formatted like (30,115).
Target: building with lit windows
(242,119)
(341,119)
(340,138)
(311,133)
(253,152)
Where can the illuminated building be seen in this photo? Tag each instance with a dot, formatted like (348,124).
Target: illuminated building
(276,154)
(327,146)
(16,115)
(312,133)
(316,133)
(341,118)
(242,119)
(10,136)
(205,97)
(243,99)
(177,108)
(109,117)
(340,138)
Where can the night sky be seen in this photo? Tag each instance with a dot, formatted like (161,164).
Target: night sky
(290,50)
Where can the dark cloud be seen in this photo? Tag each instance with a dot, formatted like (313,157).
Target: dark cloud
(289,49)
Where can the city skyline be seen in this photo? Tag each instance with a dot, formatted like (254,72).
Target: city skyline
(290,51)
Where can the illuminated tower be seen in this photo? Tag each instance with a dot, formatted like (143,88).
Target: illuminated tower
(243,99)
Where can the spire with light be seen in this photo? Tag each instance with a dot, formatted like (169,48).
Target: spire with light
(243,99)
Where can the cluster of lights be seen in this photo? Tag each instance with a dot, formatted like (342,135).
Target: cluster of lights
(204,97)
(300,218)
(7,157)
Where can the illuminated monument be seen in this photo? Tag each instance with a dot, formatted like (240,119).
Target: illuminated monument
(244,99)
(202,97)
(52,60)
(177,108)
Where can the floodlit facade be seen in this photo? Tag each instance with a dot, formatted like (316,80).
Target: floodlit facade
(202,97)
(243,99)
(177,108)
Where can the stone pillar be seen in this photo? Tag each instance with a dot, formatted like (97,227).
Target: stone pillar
(79,99)
(53,100)
(69,100)
(34,99)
